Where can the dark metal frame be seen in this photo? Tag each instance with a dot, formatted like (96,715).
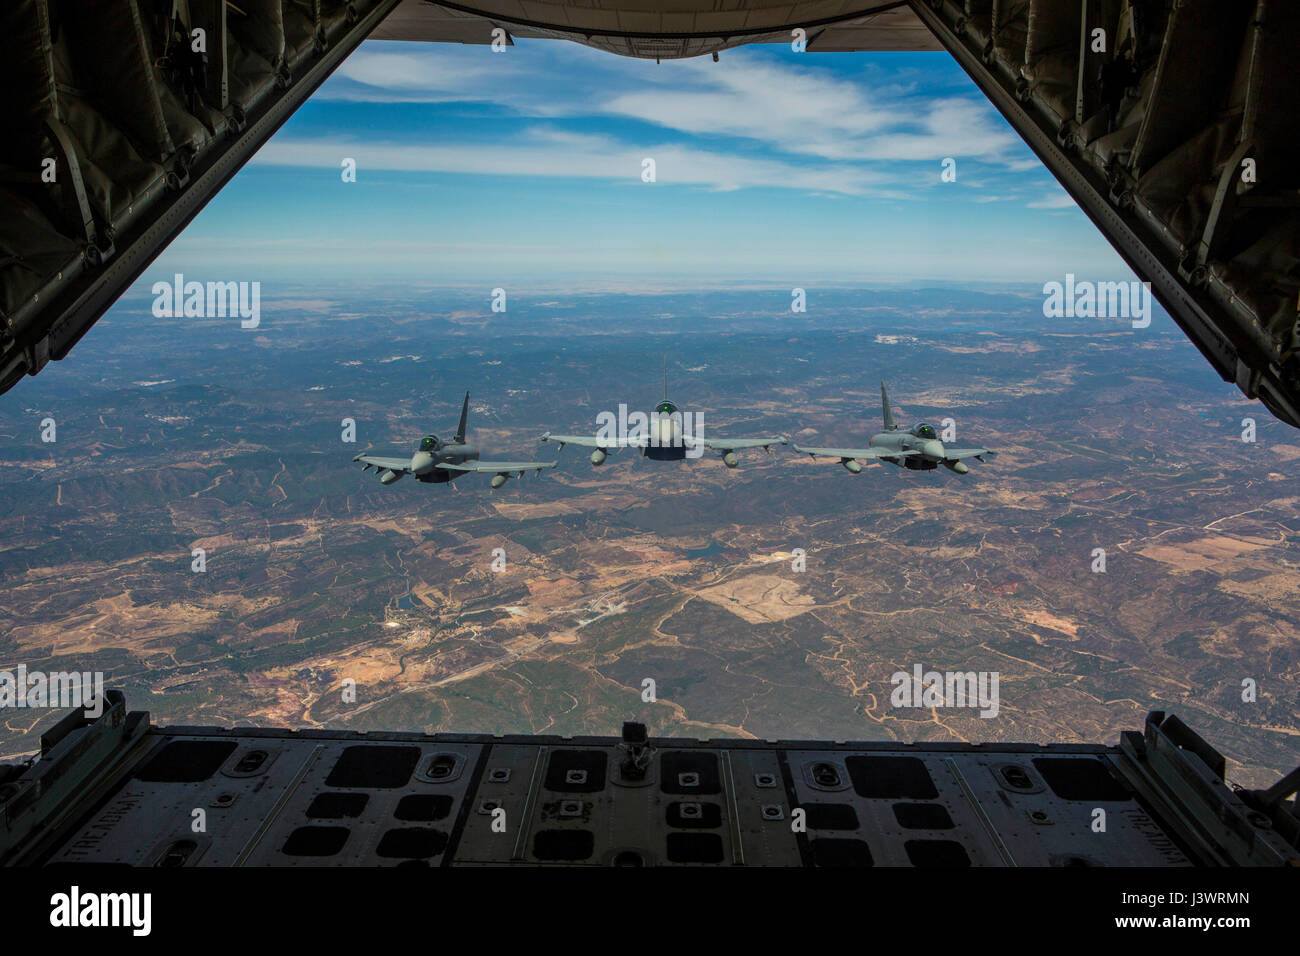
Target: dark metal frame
(89,296)
(1239,352)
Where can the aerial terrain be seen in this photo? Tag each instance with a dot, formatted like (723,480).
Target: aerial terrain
(179,434)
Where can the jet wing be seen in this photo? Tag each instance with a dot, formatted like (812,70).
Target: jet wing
(855,452)
(400,465)
(734,444)
(595,441)
(956,454)
(497,467)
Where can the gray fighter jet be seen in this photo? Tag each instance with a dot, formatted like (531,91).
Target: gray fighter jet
(437,462)
(917,448)
(666,434)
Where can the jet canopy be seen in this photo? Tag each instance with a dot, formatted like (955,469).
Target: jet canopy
(925,431)
(430,443)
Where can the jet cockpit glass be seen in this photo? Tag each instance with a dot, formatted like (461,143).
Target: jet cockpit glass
(925,431)
(429,443)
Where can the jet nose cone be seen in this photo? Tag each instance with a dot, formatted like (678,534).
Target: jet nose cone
(422,462)
(933,449)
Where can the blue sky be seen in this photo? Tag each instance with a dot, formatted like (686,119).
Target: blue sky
(772,166)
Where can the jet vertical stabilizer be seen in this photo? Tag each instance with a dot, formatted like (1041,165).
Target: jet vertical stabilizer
(460,429)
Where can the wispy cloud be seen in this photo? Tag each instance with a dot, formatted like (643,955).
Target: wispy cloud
(529,163)
(386,76)
(1057,200)
(798,108)
(539,151)
(812,111)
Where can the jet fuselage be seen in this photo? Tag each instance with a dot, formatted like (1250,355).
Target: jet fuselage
(920,437)
(432,451)
(667,421)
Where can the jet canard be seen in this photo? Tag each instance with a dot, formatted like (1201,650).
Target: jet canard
(436,461)
(666,434)
(917,448)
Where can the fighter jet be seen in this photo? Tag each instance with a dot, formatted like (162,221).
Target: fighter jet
(437,462)
(917,448)
(666,434)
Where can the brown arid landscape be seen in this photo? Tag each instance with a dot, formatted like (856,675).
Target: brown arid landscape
(775,600)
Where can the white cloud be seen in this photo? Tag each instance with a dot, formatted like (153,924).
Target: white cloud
(754,120)
(796,111)
(533,81)
(808,110)
(1059,200)
(546,152)
(813,112)
(381,75)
